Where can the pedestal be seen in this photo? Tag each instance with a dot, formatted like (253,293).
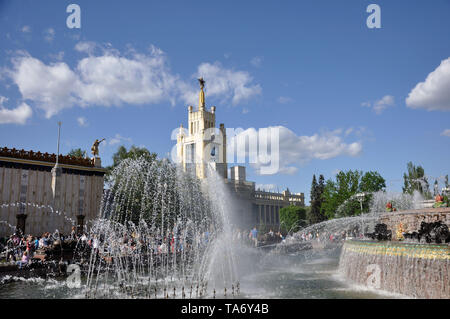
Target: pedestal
(97,161)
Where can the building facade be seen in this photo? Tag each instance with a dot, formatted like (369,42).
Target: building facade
(202,147)
(37,195)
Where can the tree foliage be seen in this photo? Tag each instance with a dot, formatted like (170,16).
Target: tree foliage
(339,196)
(415,180)
(133,153)
(292,218)
(315,214)
(77,152)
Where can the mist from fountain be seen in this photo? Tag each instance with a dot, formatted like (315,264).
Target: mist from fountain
(163,233)
(46,208)
(356,226)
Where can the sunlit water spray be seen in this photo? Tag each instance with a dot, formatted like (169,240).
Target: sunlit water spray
(163,233)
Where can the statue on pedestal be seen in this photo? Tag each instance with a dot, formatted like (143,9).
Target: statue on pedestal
(94,148)
(201,98)
(400,230)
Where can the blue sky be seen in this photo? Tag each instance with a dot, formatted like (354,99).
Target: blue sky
(345,96)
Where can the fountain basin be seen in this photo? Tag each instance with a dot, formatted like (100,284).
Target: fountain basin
(410,269)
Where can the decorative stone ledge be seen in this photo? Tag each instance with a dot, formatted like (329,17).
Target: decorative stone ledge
(412,219)
(415,270)
(45,157)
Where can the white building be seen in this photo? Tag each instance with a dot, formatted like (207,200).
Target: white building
(203,145)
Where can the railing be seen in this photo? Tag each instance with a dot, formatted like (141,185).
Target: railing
(45,157)
(277,196)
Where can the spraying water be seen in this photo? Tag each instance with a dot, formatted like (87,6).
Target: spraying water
(162,233)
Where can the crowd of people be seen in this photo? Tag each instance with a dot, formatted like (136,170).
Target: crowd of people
(21,249)
(255,237)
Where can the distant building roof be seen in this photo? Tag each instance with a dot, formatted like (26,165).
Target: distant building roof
(45,157)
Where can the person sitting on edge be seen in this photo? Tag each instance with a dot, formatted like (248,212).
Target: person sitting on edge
(24,260)
(10,248)
(36,243)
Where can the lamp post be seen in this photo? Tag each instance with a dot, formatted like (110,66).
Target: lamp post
(360,197)
(57,151)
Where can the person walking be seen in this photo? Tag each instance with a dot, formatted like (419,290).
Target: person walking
(254,235)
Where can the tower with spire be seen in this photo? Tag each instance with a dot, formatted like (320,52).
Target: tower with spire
(202,146)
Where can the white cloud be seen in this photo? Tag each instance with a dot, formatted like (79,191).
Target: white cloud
(433,94)
(114,79)
(119,139)
(245,110)
(383,103)
(348,131)
(49,34)
(19,115)
(82,121)
(227,84)
(51,87)
(86,47)
(380,105)
(26,29)
(284,100)
(58,56)
(256,61)
(299,150)
(446,133)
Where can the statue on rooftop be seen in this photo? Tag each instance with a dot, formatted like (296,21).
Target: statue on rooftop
(201,98)
(202,83)
(94,148)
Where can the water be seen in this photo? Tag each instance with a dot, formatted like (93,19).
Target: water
(307,275)
(162,233)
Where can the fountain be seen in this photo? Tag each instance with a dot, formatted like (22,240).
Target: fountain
(162,233)
(387,246)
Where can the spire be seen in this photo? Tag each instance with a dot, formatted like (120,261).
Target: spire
(201,98)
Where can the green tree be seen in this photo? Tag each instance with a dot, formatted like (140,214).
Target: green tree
(315,214)
(372,182)
(77,152)
(133,153)
(292,218)
(347,185)
(339,196)
(330,201)
(415,179)
(312,201)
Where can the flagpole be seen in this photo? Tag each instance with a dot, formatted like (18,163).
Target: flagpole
(59,135)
